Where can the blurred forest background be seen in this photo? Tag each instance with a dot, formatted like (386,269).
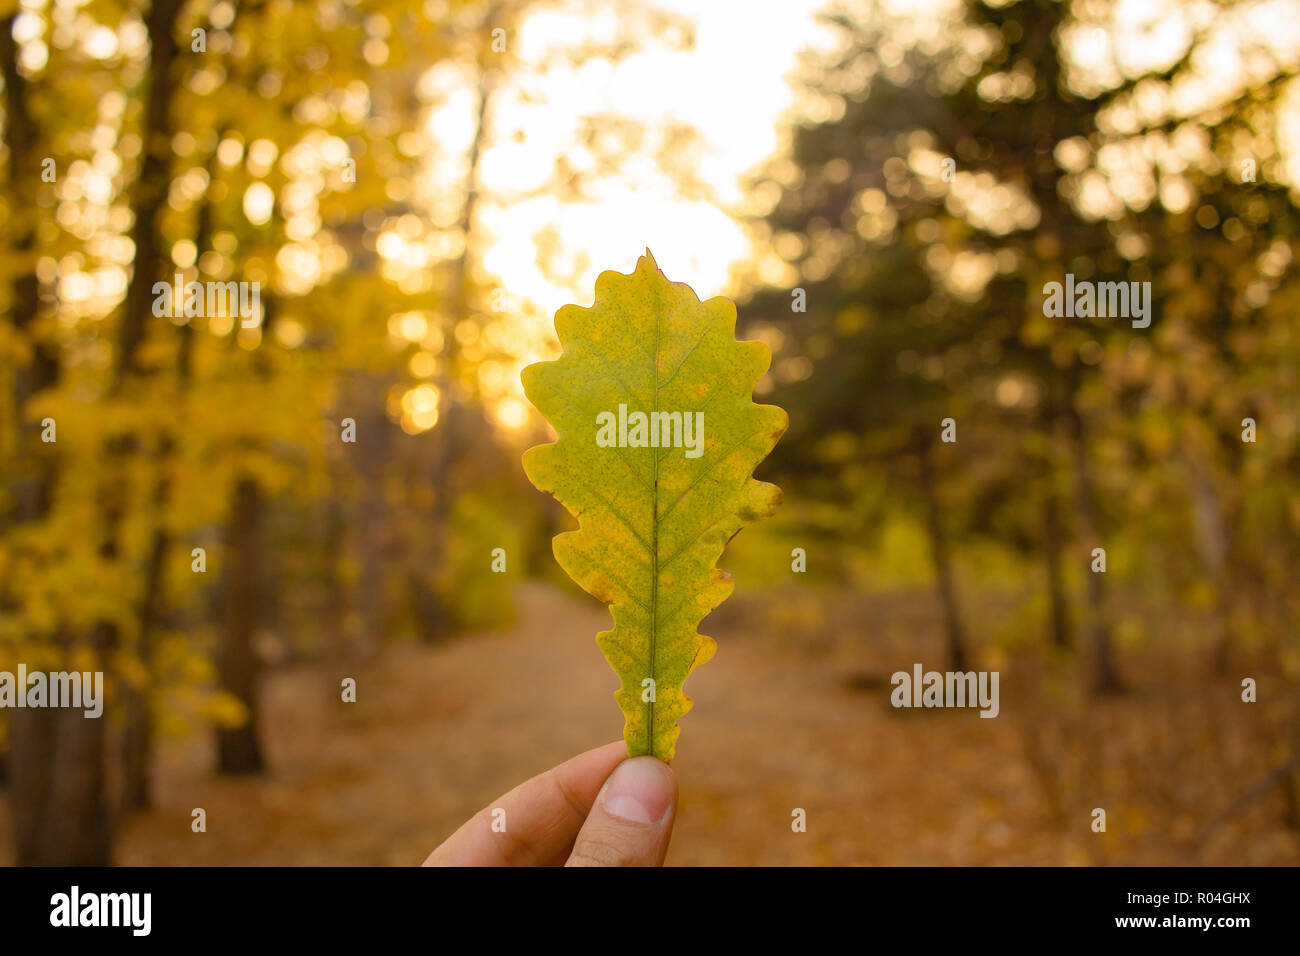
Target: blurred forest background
(884,186)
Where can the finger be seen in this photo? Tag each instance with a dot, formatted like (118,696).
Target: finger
(632,819)
(539,820)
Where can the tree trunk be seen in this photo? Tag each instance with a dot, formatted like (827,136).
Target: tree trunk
(239,749)
(137,731)
(152,186)
(1106,679)
(942,563)
(1052,538)
(33,478)
(1212,545)
(59,811)
(371,522)
(335,605)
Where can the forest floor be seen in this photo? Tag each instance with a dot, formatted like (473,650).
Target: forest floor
(790,713)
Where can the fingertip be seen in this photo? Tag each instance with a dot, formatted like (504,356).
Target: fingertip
(640,790)
(632,819)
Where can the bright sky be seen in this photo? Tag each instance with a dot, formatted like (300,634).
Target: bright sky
(731,88)
(546,249)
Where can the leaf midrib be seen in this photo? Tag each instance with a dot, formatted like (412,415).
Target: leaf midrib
(654,541)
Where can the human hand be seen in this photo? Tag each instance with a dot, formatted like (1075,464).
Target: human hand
(598,809)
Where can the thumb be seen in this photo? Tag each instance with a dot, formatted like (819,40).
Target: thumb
(632,818)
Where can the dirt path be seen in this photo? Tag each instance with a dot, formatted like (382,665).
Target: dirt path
(438,732)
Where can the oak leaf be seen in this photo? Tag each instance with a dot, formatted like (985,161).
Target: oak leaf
(657,440)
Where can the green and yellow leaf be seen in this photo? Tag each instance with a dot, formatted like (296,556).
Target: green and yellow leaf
(653,518)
